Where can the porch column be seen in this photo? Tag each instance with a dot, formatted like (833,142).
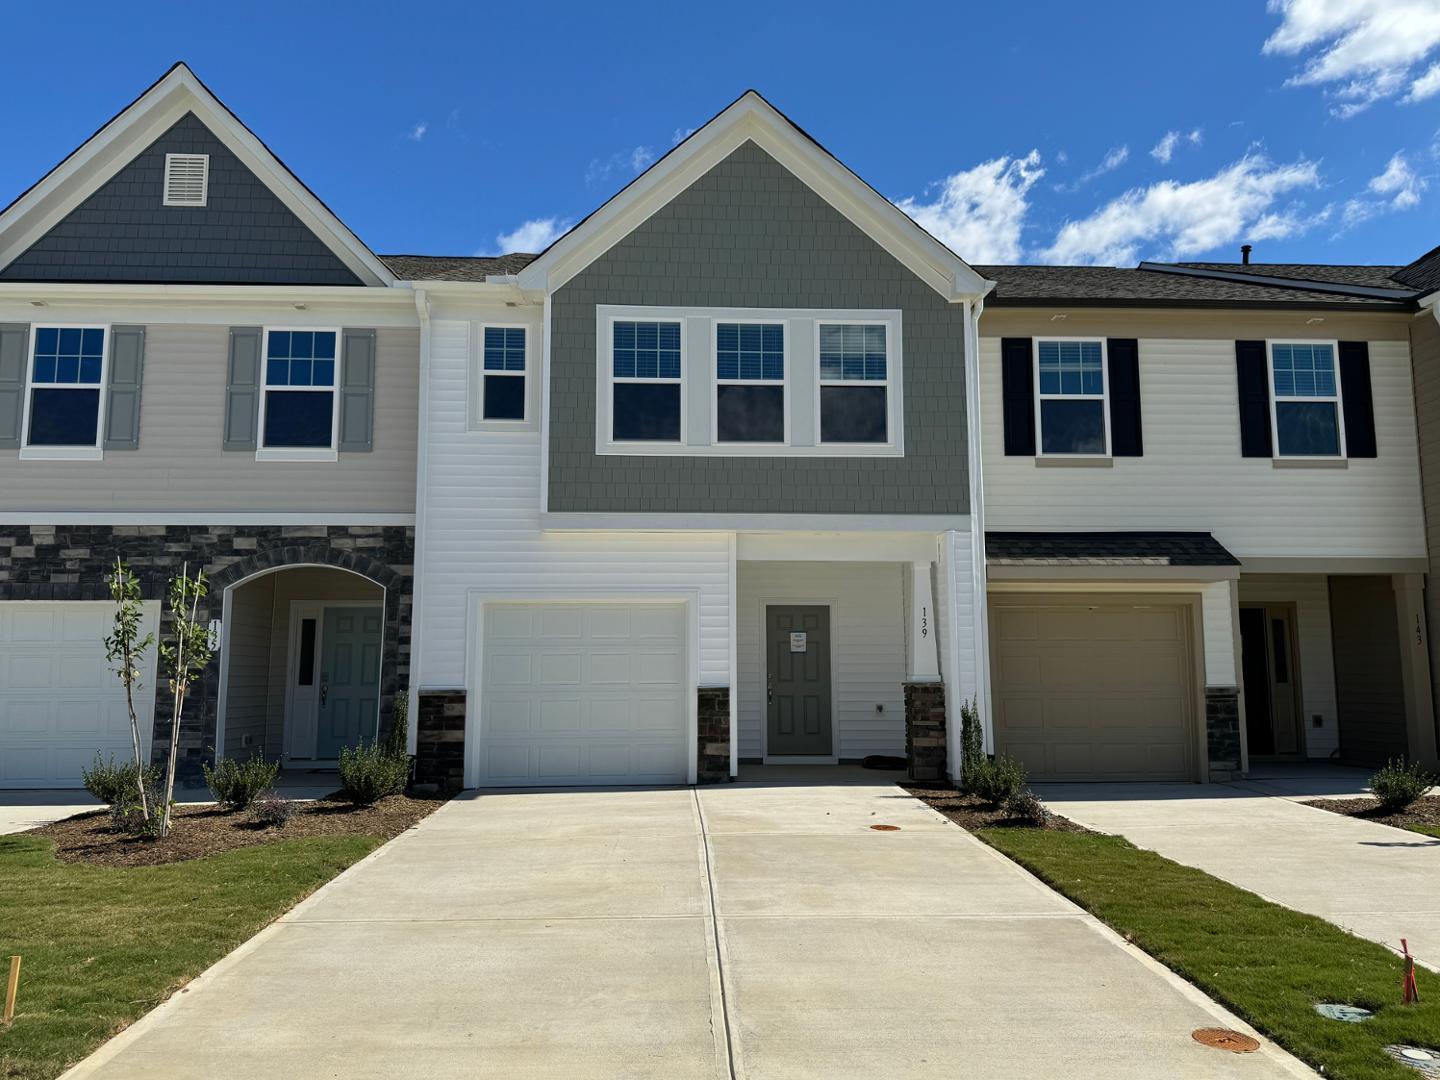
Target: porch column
(1415,668)
(923,661)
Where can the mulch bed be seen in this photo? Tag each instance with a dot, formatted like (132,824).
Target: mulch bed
(198,831)
(972,812)
(1424,812)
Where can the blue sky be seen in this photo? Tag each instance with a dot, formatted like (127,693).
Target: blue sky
(1036,132)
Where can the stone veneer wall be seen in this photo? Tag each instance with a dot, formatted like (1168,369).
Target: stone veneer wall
(440,741)
(1222,732)
(714,735)
(925,733)
(70,562)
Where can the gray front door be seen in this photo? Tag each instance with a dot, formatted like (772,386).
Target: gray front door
(797,668)
(349,678)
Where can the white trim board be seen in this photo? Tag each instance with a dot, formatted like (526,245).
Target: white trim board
(35,518)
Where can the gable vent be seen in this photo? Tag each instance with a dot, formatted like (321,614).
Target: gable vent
(186,179)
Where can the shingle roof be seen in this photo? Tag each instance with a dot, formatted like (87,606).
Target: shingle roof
(1375,277)
(1422,274)
(1106,549)
(455,267)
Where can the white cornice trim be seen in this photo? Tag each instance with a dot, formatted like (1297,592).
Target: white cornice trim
(80,291)
(34,518)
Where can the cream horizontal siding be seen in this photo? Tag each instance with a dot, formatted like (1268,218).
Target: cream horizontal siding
(1193,477)
(246,698)
(482,533)
(867,650)
(1217,618)
(1310,593)
(180,467)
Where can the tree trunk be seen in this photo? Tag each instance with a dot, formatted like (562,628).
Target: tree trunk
(135,741)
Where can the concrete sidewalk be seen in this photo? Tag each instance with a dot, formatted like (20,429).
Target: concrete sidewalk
(1376,881)
(754,931)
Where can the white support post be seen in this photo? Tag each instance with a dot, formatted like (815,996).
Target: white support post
(924,659)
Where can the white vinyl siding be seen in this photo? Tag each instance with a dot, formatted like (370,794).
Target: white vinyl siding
(1310,593)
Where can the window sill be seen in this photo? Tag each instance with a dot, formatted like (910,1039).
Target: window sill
(61,453)
(1075,461)
(296,455)
(1309,463)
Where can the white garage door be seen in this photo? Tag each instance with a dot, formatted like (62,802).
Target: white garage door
(59,700)
(584,694)
(1099,688)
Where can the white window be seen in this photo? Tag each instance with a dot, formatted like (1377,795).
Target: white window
(1305,399)
(750,382)
(187,179)
(503,369)
(854,383)
(1072,408)
(65,391)
(298,418)
(646,403)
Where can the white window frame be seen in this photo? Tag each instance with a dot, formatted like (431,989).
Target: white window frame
(608,350)
(1104,398)
(299,453)
(168,199)
(477,420)
(1338,400)
(890,382)
(66,453)
(716,382)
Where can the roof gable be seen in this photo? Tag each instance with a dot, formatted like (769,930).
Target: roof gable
(91,184)
(752,119)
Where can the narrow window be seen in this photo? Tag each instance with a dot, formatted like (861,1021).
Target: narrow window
(1071,397)
(1305,397)
(67,367)
(854,383)
(306,674)
(750,382)
(298,407)
(645,372)
(504,390)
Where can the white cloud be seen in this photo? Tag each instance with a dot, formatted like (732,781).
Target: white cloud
(537,234)
(1361,50)
(1399,183)
(1114,158)
(636,160)
(417,133)
(979,213)
(1174,220)
(1164,150)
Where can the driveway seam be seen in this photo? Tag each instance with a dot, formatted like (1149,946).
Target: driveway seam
(718,935)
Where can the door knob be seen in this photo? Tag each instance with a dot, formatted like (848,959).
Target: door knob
(769,689)
(324,691)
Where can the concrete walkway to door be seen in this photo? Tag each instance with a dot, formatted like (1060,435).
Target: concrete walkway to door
(1376,881)
(756,930)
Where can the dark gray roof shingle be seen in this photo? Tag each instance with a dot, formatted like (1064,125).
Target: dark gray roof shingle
(1374,277)
(1107,548)
(455,267)
(1423,274)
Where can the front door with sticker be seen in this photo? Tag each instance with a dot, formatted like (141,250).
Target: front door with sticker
(797,671)
(349,679)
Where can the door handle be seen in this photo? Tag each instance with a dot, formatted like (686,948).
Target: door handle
(324,689)
(769,689)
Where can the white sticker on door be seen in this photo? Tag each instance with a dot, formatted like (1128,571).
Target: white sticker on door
(797,641)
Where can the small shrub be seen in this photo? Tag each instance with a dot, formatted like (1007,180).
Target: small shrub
(1026,806)
(1001,781)
(237,784)
(974,765)
(1399,784)
(369,772)
(398,742)
(111,783)
(271,811)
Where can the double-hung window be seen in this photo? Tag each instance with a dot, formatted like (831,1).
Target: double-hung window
(854,383)
(645,403)
(1071,403)
(503,392)
(1305,399)
(67,376)
(750,382)
(297,403)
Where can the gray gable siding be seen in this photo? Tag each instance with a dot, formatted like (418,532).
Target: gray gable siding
(244,235)
(750,234)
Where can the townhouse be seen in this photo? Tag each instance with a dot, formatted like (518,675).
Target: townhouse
(747,467)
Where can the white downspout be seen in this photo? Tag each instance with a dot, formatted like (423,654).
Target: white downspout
(422,493)
(973,310)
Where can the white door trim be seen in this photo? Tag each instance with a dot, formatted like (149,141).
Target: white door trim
(833,758)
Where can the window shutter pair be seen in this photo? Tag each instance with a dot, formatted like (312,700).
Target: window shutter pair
(1253,380)
(354,392)
(1122,374)
(122,401)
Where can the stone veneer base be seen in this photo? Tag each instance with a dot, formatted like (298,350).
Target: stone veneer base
(925,734)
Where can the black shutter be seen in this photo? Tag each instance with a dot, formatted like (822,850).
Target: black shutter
(1017,376)
(1254,385)
(1123,361)
(1359,403)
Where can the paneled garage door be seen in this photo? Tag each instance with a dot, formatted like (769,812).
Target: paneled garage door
(59,700)
(584,694)
(1094,688)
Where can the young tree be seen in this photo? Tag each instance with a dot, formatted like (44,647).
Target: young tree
(124,648)
(185,659)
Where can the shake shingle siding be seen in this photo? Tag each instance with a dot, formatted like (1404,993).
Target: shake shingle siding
(122,233)
(749,234)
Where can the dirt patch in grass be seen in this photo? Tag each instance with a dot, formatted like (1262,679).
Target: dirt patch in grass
(972,812)
(198,831)
(1422,816)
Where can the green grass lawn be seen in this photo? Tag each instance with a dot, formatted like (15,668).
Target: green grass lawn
(1265,962)
(102,946)
(1427,830)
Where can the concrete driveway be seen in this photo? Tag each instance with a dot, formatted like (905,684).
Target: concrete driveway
(1376,881)
(745,931)
(21,810)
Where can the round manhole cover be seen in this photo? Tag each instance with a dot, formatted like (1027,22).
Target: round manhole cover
(886,828)
(1425,1062)
(1225,1039)
(1350,1014)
